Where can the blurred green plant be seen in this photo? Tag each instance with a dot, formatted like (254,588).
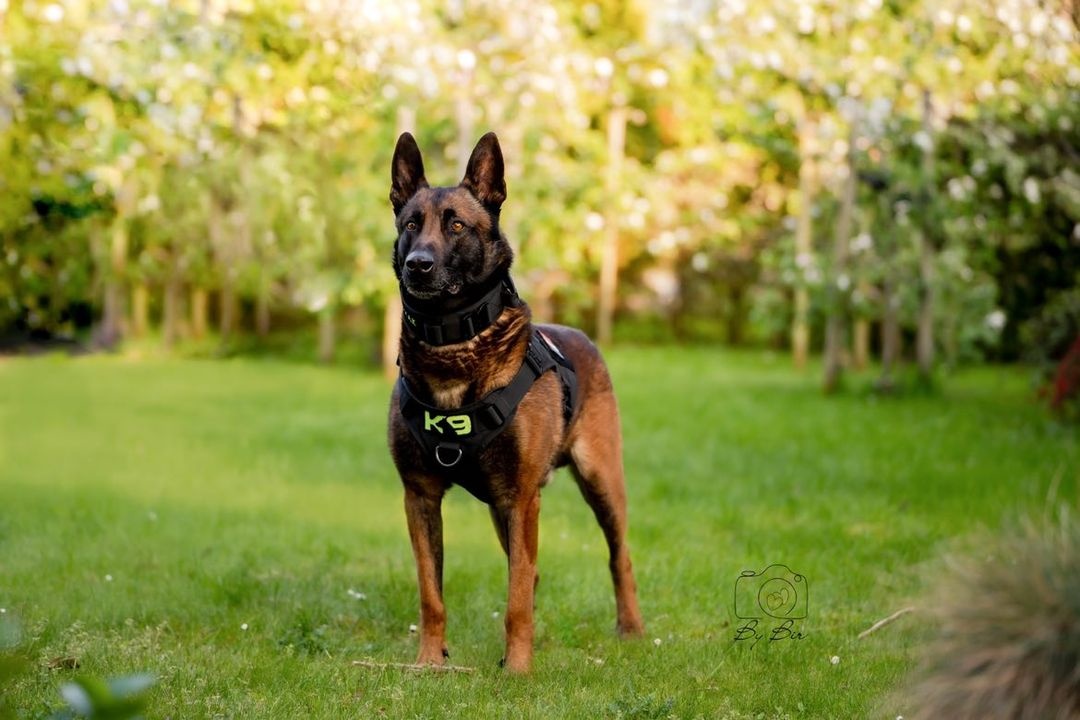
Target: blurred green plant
(121,698)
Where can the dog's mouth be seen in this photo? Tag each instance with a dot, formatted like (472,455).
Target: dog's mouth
(431,290)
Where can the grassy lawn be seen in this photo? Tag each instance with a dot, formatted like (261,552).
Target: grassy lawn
(207,520)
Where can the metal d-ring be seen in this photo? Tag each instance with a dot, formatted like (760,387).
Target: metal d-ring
(439,458)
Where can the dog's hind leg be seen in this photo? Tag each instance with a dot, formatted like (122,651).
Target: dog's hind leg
(423,510)
(596,463)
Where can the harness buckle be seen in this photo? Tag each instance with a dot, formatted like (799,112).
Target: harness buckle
(449,448)
(494,416)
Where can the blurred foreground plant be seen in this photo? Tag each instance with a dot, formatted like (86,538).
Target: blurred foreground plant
(121,698)
(1008,640)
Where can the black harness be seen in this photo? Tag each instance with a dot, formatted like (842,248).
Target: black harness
(452,439)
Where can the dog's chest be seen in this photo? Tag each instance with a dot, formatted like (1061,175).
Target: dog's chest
(455,392)
(449,394)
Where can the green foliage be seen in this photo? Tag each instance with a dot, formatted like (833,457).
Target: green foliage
(243,147)
(1049,335)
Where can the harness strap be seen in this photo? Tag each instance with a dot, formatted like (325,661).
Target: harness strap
(454,438)
(460,325)
(565,369)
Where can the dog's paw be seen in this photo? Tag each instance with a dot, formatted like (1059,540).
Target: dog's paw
(516,661)
(519,667)
(432,656)
(630,628)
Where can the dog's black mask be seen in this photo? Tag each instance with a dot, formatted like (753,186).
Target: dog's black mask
(449,247)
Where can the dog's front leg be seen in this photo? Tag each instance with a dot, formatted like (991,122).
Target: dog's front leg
(423,509)
(522,529)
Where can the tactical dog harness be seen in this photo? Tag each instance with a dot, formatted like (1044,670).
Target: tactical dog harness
(452,439)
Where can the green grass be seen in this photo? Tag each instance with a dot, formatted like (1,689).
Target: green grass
(222,493)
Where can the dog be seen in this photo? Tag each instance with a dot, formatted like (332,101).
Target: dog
(487,400)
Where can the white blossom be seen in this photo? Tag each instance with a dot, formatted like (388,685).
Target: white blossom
(53,13)
(1031,190)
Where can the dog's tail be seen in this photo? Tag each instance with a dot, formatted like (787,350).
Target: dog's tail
(1009,633)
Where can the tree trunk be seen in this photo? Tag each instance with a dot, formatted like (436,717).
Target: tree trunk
(199,312)
(924,337)
(736,314)
(262,310)
(113,311)
(327,333)
(228,307)
(924,347)
(111,314)
(837,321)
(861,357)
(223,249)
(890,332)
(140,309)
(804,243)
(950,332)
(609,257)
(171,310)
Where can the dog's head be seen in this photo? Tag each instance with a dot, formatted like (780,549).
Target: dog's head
(448,237)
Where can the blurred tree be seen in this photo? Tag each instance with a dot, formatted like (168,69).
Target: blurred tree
(675,164)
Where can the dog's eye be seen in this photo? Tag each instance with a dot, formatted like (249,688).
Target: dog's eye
(457,226)
(411,226)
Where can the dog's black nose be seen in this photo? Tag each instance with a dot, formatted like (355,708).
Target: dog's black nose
(420,261)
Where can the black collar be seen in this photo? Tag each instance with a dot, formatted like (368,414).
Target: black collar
(464,324)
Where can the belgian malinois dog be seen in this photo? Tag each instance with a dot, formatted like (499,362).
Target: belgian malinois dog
(467,338)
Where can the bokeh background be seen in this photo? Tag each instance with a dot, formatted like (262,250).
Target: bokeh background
(892,178)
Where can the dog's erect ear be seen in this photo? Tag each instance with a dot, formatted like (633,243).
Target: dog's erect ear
(406,172)
(484,174)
